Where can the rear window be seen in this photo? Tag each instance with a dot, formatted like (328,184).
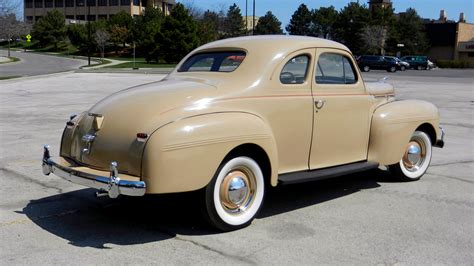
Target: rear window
(213,62)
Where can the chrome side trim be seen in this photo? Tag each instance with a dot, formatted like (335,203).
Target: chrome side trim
(112,184)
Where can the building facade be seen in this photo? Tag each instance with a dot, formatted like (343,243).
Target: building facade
(91,10)
(450,40)
(379,4)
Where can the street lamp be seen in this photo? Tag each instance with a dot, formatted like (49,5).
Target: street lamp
(81,4)
(253,23)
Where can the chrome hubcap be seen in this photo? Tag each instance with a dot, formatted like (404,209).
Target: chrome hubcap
(237,191)
(414,155)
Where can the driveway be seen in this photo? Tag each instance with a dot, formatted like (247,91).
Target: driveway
(33,64)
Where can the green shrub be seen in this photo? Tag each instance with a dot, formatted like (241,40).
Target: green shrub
(452,64)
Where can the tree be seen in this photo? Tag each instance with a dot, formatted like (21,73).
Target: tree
(120,27)
(208,27)
(409,30)
(374,38)
(268,24)
(11,28)
(300,23)
(145,30)
(77,34)
(50,29)
(382,21)
(323,21)
(349,25)
(8,7)
(101,37)
(234,25)
(178,35)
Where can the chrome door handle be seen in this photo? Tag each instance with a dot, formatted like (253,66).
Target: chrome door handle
(319,104)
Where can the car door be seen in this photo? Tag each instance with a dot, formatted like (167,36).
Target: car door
(341,111)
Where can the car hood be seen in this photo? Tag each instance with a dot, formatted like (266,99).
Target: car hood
(115,121)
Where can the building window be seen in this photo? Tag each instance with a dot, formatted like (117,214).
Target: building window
(124,2)
(28,3)
(102,17)
(90,2)
(80,17)
(59,3)
(48,3)
(470,54)
(69,3)
(102,2)
(113,2)
(80,3)
(70,17)
(38,3)
(91,17)
(136,2)
(37,18)
(170,6)
(29,18)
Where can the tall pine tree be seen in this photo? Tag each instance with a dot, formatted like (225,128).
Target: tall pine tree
(234,25)
(268,24)
(301,22)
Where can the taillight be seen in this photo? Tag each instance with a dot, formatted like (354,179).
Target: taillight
(142,137)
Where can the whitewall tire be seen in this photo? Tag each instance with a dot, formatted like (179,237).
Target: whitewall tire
(415,160)
(235,194)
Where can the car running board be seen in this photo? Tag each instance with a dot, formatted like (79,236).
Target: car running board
(325,173)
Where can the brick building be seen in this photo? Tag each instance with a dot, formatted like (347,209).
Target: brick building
(91,9)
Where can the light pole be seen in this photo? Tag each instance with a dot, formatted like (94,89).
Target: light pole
(89,30)
(246,16)
(253,23)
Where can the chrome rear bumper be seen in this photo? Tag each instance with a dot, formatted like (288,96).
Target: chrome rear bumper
(112,184)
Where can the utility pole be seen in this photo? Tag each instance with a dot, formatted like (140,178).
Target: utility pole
(253,23)
(246,16)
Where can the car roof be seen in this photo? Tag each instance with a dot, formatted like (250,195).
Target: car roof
(273,42)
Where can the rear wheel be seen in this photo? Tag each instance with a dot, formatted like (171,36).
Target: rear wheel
(392,69)
(366,68)
(235,194)
(403,68)
(416,159)
(420,67)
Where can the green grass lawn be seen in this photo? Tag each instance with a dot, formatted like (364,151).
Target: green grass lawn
(142,64)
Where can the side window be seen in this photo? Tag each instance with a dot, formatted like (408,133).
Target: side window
(295,70)
(335,69)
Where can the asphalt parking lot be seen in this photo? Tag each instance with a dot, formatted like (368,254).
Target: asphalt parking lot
(357,219)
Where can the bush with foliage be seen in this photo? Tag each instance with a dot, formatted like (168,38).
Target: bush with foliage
(50,29)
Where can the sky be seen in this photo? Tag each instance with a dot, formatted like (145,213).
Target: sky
(283,9)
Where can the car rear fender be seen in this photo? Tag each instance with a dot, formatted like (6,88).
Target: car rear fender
(394,123)
(184,155)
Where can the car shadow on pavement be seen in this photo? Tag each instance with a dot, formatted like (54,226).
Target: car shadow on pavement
(87,221)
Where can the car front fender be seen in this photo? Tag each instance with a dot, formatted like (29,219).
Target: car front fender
(393,125)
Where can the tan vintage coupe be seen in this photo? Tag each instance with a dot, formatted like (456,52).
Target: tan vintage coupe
(240,114)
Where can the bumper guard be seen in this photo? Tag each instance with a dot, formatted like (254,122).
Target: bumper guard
(112,185)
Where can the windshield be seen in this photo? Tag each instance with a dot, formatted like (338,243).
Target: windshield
(213,62)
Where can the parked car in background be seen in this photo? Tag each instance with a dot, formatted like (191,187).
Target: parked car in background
(419,62)
(402,65)
(368,62)
(240,115)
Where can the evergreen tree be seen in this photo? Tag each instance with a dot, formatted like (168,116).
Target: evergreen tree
(178,35)
(208,27)
(349,26)
(145,30)
(410,31)
(120,28)
(234,25)
(268,24)
(50,29)
(301,22)
(323,21)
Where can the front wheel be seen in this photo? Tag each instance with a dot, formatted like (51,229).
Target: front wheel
(235,194)
(403,68)
(366,68)
(392,69)
(416,159)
